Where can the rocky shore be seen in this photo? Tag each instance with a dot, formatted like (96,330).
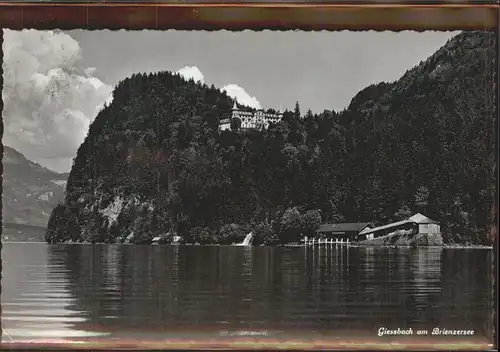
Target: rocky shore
(418,240)
(467,246)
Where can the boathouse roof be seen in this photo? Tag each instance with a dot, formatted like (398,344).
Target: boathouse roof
(343,227)
(421,219)
(388,226)
(415,219)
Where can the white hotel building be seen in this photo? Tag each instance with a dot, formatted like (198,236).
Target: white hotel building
(250,120)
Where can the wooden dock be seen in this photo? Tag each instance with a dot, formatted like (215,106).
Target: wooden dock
(326,242)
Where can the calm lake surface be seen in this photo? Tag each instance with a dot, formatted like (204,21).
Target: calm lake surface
(80,291)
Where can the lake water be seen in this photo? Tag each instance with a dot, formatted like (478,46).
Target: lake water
(118,291)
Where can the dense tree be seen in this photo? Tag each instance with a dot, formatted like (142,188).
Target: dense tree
(264,234)
(154,160)
(311,220)
(296,112)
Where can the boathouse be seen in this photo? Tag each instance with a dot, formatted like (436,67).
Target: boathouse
(417,223)
(341,231)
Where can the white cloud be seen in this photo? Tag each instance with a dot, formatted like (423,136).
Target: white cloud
(233,90)
(241,96)
(193,72)
(49,98)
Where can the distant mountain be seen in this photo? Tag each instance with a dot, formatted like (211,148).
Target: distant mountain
(30,191)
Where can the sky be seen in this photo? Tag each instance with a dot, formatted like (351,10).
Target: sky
(56,82)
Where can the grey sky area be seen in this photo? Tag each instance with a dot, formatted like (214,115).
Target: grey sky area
(55,82)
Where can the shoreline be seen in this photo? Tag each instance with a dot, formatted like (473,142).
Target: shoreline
(459,246)
(445,246)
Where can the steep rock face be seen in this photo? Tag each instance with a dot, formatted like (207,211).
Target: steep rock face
(30,191)
(153,160)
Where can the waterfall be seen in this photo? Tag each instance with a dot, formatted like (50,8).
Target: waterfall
(247,241)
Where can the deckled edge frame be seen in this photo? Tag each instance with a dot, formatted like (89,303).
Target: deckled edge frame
(210,16)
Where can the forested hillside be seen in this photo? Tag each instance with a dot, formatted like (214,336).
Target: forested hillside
(153,160)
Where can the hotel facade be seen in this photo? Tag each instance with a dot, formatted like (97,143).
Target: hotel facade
(250,120)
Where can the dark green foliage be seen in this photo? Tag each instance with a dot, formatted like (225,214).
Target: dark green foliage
(203,235)
(424,143)
(295,223)
(403,213)
(265,235)
(63,225)
(311,220)
(296,112)
(291,225)
(232,233)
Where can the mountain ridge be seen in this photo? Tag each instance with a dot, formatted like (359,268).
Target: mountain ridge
(153,161)
(30,191)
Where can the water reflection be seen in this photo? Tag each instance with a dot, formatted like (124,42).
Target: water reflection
(425,266)
(468,270)
(36,299)
(118,289)
(247,261)
(369,261)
